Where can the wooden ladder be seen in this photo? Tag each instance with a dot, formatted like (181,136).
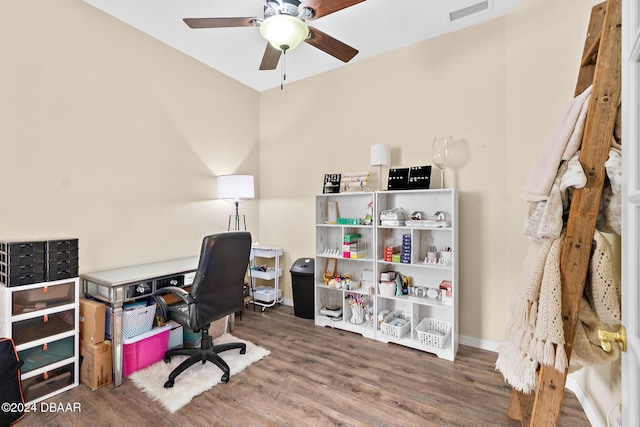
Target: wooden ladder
(600,66)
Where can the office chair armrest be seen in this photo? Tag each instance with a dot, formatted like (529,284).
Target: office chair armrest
(162,308)
(179,292)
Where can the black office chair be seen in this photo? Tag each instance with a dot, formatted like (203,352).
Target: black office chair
(217,291)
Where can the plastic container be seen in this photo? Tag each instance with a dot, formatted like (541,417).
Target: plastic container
(138,320)
(302,272)
(387,289)
(144,349)
(433,332)
(266,293)
(396,325)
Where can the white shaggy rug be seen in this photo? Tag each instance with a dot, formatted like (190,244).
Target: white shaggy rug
(197,378)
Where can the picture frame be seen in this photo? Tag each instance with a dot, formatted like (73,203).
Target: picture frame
(332,183)
(412,178)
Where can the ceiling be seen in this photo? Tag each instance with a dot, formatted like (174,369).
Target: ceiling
(373,27)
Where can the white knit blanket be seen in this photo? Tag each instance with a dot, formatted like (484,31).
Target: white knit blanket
(562,143)
(545,219)
(534,335)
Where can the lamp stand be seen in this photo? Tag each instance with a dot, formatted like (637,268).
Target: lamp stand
(236,219)
(380,177)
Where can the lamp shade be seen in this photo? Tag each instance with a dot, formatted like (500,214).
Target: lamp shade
(235,187)
(380,155)
(284,32)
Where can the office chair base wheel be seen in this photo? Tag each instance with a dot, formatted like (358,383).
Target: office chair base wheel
(224,379)
(263,309)
(243,350)
(169,384)
(167,359)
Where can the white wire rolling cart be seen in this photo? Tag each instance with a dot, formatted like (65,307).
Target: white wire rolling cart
(265,296)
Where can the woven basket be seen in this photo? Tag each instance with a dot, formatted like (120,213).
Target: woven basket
(433,332)
(390,329)
(138,320)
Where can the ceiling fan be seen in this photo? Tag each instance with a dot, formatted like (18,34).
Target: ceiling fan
(284,27)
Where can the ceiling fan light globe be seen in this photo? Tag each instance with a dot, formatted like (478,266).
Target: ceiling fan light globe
(284,32)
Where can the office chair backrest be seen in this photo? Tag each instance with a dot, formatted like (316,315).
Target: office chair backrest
(218,285)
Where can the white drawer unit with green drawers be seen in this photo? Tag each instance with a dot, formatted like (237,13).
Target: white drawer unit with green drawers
(42,319)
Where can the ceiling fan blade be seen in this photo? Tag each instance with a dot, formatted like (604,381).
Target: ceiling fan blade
(325,7)
(219,22)
(328,44)
(270,58)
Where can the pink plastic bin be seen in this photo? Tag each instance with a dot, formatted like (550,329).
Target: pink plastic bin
(143,350)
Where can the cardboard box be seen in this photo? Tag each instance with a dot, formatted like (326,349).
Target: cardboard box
(216,329)
(107,322)
(96,367)
(92,321)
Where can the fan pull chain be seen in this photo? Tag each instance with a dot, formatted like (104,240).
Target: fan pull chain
(283,72)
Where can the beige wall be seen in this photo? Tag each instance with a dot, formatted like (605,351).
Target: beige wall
(112,137)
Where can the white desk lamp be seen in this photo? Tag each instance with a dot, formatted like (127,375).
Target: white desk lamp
(236,188)
(380,156)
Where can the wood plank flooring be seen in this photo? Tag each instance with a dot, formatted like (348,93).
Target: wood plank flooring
(319,377)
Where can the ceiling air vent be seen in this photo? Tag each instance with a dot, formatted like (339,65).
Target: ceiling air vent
(469,10)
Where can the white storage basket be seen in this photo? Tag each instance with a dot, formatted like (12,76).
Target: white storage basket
(138,320)
(433,332)
(390,328)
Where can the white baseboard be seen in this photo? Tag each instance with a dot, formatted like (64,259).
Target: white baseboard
(480,343)
(589,411)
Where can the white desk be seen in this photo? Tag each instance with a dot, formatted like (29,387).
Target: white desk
(120,285)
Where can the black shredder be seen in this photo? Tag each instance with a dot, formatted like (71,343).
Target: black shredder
(302,285)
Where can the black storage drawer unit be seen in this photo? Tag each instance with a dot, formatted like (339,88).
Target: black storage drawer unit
(21,274)
(53,275)
(63,264)
(19,269)
(62,255)
(21,247)
(62,269)
(61,245)
(17,258)
(62,259)
(21,262)
(28,262)
(21,279)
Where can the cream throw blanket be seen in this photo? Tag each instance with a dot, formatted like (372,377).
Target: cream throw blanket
(545,219)
(535,335)
(561,144)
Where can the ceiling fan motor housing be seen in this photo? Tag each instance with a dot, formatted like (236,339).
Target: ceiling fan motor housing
(282,7)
